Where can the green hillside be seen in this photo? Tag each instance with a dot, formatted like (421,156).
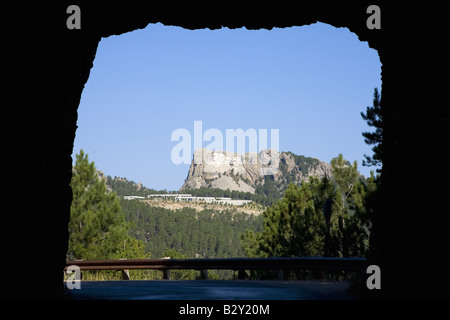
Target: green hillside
(205,234)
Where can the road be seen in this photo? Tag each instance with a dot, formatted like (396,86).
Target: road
(211,290)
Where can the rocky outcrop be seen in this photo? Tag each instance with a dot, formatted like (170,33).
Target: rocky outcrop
(244,172)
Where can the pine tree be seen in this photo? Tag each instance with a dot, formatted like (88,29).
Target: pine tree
(349,235)
(320,217)
(97,227)
(292,226)
(374,118)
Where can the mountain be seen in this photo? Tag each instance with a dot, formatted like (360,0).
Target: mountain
(124,187)
(251,172)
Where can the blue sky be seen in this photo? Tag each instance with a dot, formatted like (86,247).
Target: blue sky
(309,82)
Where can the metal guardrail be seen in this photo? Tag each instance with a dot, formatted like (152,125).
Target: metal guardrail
(236,264)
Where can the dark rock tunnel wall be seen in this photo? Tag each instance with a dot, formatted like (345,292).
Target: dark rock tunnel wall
(406,228)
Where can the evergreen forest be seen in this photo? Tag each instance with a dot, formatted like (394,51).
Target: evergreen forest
(204,234)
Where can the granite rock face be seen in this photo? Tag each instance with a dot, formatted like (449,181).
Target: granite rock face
(243,172)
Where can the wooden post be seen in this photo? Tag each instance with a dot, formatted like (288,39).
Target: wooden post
(204,274)
(242,274)
(166,274)
(280,274)
(125,275)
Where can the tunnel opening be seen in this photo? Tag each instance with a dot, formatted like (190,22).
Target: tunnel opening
(404,227)
(168,78)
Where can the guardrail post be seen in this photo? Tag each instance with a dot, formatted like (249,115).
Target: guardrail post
(125,275)
(204,274)
(166,274)
(280,275)
(242,275)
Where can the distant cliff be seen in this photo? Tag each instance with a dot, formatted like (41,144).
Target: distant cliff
(250,171)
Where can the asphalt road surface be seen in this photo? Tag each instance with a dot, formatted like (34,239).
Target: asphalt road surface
(211,290)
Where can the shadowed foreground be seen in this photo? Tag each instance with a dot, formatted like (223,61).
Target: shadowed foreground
(212,290)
